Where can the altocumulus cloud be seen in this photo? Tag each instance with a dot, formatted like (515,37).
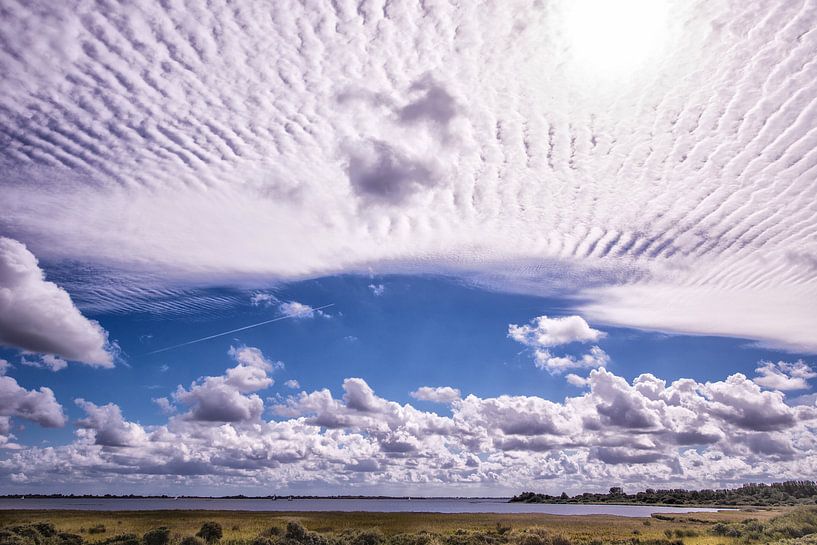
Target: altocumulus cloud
(681,432)
(144,136)
(39,316)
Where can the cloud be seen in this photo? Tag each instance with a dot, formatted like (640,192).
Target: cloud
(155,126)
(295,309)
(292,383)
(47,361)
(377,289)
(107,426)
(38,406)
(784,376)
(39,316)
(542,333)
(643,432)
(439,394)
(380,172)
(230,397)
(596,357)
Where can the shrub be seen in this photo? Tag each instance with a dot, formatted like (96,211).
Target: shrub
(157,536)
(121,539)
(98,529)
(263,540)
(367,537)
(421,538)
(537,536)
(70,539)
(210,531)
(10,538)
(191,540)
(272,531)
(296,531)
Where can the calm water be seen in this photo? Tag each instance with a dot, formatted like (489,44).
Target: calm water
(371,505)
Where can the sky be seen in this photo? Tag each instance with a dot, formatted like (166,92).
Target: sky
(407,248)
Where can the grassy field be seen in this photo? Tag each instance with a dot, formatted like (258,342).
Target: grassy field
(691,528)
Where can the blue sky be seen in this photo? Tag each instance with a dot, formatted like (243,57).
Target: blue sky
(396,332)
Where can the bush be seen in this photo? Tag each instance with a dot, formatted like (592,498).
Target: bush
(559,539)
(367,537)
(297,533)
(191,540)
(70,539)
(798,523)
(536,536)
(98,529)
(10,538)
(157,536)
(210,531)
(121,539)
(263,540)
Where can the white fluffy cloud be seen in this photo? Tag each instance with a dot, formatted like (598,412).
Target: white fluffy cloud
(543,333)
(230,397)
(674,195)
(38,406)
(39,316)
(438,394)
(596,357)
(644,432)
(784,376)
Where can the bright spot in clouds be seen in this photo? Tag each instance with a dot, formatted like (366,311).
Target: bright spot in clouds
(614,36)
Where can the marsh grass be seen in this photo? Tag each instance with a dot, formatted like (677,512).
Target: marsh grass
(322,528)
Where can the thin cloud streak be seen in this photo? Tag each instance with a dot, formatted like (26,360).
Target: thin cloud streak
(207,338)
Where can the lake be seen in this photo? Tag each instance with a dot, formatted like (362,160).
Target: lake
(398,505)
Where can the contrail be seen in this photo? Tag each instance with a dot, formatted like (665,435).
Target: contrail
(207,338)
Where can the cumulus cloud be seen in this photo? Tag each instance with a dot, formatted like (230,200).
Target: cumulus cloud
(292,383)
(439,394)
(784,376)
(545,332)
(596,357)
(38,406)
(107,425)
(644,432)
(230,397)
(542,333)
(330,169)
(39,316)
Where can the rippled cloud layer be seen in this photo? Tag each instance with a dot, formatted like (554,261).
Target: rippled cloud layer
(665,176)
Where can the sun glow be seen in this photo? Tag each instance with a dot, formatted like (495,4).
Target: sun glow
(614,36)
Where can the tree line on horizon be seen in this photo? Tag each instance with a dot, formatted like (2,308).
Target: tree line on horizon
(783,493)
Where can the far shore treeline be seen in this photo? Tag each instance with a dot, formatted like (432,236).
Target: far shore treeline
(785,493)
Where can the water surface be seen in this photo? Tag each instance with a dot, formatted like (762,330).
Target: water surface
(390,505)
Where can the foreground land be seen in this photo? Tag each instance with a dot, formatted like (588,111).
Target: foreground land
(779,525)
